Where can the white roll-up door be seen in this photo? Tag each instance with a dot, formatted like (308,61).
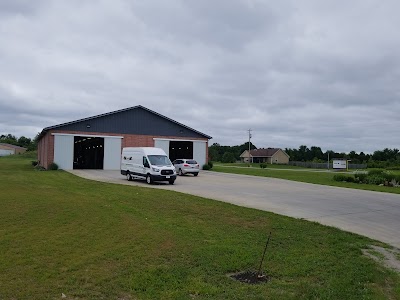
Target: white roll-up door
(163,144)
(5,152)
(64,151)
(112,153)
(200,152)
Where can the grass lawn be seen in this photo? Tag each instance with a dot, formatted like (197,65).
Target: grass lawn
(91,240)
(257,165)
(324,178)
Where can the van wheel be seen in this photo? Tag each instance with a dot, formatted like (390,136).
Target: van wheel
(171,181)
(180,172)
(149,180)
(195,174)
(128,176)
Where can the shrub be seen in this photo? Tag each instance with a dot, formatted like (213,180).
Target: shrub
(388,176)
(376,179)
(375,172)
(228,157)
(206,167)
(210,164)
(53,166)
(263,166)
(39,168)
(342,177)
(362,177)
(393,168)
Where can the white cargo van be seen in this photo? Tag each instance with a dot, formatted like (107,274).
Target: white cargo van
(147,163)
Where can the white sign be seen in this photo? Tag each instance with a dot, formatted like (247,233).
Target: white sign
(339,164)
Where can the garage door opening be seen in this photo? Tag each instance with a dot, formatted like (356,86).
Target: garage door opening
(88,152)
(180,149)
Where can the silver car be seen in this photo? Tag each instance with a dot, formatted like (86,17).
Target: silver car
(186,166)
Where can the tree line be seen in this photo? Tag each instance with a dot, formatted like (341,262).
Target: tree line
(379,159)
(30,144)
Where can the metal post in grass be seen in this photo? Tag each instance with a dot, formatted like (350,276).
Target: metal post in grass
(263,256)
(249,146)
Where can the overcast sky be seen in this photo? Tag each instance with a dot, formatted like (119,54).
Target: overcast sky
(323,73)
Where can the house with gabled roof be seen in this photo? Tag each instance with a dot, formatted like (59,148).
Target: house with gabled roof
(8,149)
(267,155)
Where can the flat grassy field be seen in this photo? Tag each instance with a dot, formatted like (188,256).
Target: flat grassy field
(91,240)
(302,175)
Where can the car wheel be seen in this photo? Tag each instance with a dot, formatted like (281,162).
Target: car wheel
(171,181)
(180,172)
(128,176)
(195,174)
(149,180)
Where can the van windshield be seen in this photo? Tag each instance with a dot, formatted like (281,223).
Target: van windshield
(159,160)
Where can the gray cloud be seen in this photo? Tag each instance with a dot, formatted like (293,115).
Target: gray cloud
(316,73)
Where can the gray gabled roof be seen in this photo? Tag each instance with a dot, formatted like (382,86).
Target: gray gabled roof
(261,152)
(12,146)
(72,123)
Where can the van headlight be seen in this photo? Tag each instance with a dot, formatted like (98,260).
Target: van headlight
(155,169)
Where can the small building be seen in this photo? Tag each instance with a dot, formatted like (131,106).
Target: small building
(8,149)
(96,142)
(268,155)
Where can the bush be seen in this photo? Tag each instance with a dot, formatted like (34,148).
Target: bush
(39,168)
(263,166)
(388,176)
(376,179)
(228,157)
(393,168)
(375,172)
(206,167)
(362,177)
(53,166)
(210,164)
(342,177)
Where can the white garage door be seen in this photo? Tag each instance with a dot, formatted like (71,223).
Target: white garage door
(4,152)
(64,151)
(163,144)
(112,153)
(199,152)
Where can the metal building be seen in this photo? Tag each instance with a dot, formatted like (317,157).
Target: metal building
(96,142)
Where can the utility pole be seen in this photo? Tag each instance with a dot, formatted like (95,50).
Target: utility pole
(249,143)
(328,160)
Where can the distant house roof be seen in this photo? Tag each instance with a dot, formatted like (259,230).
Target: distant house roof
(269,152)
(262,152)
(12,146)
(138,107)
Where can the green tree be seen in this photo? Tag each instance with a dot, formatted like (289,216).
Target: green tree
(228,157)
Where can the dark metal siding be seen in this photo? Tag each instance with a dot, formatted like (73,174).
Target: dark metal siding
(135,121)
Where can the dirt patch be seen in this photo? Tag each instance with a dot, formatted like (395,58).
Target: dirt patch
(250,277)
(389,258)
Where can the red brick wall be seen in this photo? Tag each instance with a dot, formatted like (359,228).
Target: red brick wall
(46,143)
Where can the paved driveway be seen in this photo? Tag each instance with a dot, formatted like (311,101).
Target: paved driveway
(373,214)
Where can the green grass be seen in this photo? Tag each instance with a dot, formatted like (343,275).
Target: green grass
(257,165)
(324,178)
(91,240)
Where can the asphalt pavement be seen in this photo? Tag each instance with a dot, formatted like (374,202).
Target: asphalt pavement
(372,214)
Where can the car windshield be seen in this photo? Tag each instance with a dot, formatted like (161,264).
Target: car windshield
(159,160)
(192,162)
